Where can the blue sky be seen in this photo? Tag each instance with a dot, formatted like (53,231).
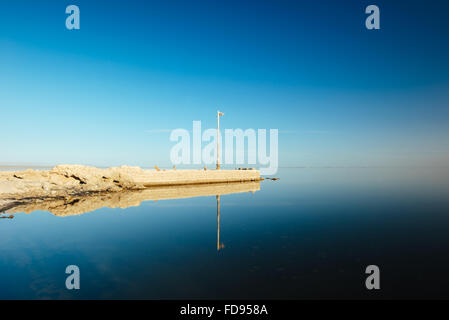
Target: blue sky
(109,93)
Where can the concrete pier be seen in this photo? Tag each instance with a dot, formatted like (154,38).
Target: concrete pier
(183,177)
(66,181)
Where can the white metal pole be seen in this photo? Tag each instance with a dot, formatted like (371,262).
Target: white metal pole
(218,140)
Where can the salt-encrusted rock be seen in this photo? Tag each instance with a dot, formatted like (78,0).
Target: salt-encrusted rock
(65,180)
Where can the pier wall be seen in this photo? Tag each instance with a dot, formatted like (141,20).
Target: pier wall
(183,177)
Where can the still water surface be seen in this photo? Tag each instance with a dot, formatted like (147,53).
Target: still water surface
(309,235)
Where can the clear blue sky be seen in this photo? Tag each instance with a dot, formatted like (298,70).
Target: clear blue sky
(109,93)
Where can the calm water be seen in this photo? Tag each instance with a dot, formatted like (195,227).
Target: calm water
(309,235)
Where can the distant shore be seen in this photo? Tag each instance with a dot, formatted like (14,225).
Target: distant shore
(23,167)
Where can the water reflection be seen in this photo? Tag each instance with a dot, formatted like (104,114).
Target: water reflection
(77,205)
(82,204)
(219,245)
(309,237)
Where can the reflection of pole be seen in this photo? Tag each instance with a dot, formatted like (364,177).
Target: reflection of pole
(218,222)
(219,245)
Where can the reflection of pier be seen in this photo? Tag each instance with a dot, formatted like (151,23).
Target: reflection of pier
(76,205)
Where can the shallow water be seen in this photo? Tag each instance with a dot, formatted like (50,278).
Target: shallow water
(309,235)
